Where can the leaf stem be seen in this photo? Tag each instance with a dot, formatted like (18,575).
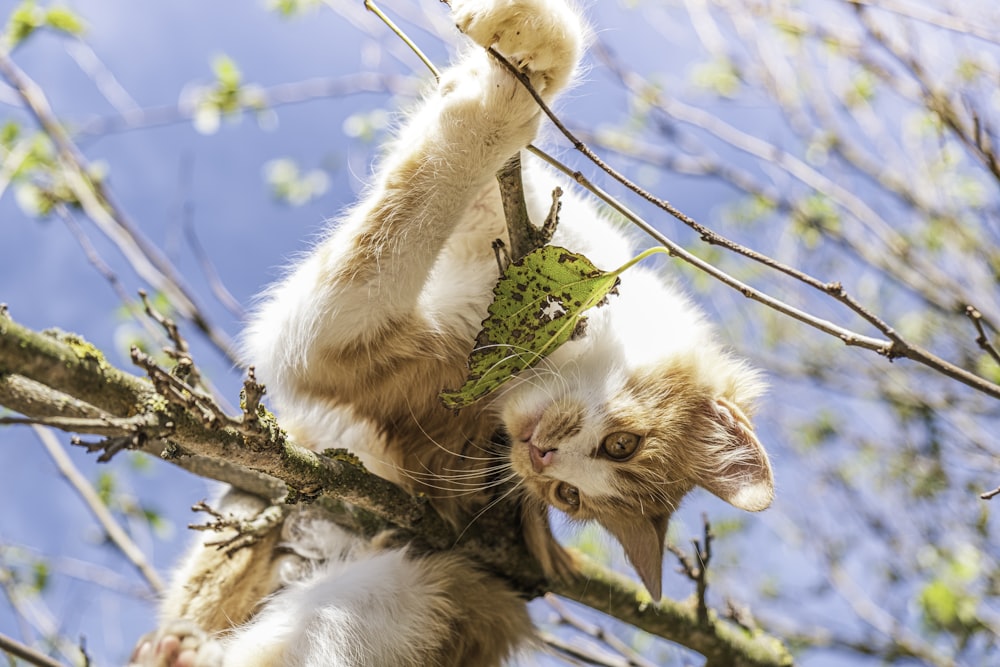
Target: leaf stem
(649,252)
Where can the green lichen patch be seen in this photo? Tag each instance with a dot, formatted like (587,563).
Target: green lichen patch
(345,455)
(84,350)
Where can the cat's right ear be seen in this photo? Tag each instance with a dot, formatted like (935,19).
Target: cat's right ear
(642,539)
(739,470)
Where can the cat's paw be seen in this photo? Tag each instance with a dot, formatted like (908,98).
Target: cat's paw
(177,644)
(543,38)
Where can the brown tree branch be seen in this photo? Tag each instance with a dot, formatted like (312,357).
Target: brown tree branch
(357,499)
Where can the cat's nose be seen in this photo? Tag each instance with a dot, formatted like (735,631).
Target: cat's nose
(540,459)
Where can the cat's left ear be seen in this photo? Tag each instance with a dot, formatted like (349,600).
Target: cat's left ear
(738,471)
(642,538)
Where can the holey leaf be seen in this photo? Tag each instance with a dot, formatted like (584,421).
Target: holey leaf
(537,306)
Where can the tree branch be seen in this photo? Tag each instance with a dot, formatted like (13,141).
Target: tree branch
(18,650)
(178,430)
(98,204)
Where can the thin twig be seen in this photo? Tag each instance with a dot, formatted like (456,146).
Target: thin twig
(895,347)
(574,653)
(100,511)
(698,572)
(989,495)
(932,17)
(631,657)
(247,531)
(144,257)
(18,650)
(374,9)
(983,340)
(219,289)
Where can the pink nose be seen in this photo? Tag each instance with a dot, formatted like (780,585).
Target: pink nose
(540,459)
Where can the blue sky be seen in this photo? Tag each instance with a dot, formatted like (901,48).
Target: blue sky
(164,176)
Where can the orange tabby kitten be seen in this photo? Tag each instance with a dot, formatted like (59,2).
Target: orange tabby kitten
(364,332)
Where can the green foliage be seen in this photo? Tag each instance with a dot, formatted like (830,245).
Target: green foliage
(291,8)
(948,602)
(39,179)
(814,215)
(823,428)
(105,487)
(64,20)
(366,126)
(719,76)
(28,18)
(40,575)
(228,97)
(290,186)
(749,210)
(863,88)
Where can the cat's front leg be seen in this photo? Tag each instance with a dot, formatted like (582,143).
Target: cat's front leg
(364,283)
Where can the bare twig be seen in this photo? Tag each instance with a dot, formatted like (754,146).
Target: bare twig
(989,495)
(219,289)
(895,347)
(932,17)
(100,511)
(975,138)
(18,650)
(698,572)
(575,653)
(631,657)
(982,340)
(144,257)
(272,97)
(246,532)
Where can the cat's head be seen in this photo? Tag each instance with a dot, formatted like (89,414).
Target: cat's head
(619,426)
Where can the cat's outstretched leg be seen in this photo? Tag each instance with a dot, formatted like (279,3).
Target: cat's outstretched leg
(362,288)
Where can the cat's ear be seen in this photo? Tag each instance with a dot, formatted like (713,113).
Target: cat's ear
(642,538)
(738,471)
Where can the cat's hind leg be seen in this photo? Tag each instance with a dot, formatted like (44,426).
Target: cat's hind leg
(179,643)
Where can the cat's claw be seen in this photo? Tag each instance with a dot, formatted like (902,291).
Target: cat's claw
(177,644)
(541,37)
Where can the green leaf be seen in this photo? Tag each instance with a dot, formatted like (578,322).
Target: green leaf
(39,576)
(64,20)
(23,21)
(226,72)
(105,487)
(537,306)
(718,76)
(291,186)
(290,8)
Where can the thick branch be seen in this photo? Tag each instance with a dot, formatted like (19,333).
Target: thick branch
(357,499)
(722,643)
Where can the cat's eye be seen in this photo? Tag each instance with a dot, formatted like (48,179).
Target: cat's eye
(568,495)
(620,446)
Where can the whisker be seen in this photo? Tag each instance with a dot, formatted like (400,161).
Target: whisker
(490,506)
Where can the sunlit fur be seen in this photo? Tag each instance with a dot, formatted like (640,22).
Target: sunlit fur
(365,330)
